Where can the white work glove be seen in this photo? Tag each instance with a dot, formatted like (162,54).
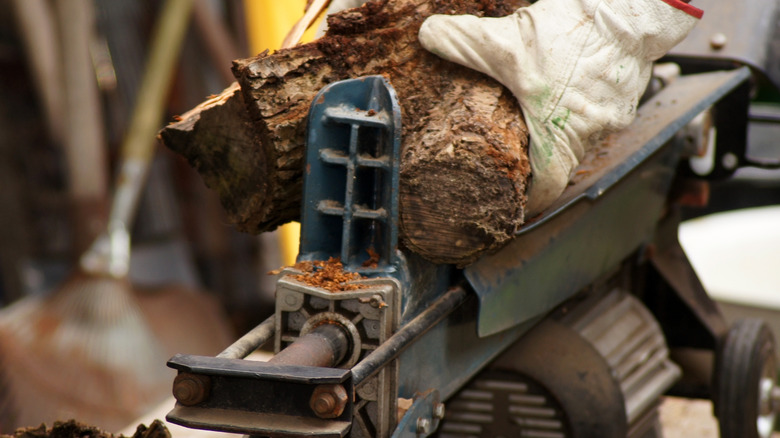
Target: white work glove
(577,67)
(336,6)
(340,5)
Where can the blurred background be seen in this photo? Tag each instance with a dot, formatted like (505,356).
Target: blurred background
(71,80)
(734,241)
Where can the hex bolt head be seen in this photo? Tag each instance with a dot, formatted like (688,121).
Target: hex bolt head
(423,426)
(191,389)
(329,401)
(438,411)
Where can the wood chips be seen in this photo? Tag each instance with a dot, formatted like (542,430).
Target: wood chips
(328,275)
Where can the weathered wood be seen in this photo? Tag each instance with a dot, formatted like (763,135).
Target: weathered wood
(464,165)
(463,179)
(218,140)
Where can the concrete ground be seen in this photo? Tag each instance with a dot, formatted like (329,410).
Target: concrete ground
(683,418)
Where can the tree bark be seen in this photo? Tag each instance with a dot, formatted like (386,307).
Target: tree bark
(464,168)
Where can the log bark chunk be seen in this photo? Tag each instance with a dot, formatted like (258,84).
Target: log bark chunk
(464,160)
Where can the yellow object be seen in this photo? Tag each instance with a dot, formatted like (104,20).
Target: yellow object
(268,22)
(289,238)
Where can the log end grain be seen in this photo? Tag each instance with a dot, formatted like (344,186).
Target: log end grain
(218,139)
(463,186)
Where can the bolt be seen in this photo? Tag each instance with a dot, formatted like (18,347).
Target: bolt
(718,41)
(730,161)
(323,404)
(423,426)
(291,300)
(190,389)
(329,401)
(438,411)
(376,301)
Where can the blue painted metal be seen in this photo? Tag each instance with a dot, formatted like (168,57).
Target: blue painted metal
(422,417)
(350,193)
(609,211)
(449,354)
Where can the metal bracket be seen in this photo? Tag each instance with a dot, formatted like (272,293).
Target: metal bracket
(370,316)
(261,398)
(350,187)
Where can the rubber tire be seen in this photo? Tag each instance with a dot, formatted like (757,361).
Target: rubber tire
(749,346)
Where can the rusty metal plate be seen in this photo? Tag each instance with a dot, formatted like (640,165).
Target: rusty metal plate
(259,398)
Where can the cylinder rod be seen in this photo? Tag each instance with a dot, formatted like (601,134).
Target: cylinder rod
(325,346)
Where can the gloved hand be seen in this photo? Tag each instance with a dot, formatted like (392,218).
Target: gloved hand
(577,67)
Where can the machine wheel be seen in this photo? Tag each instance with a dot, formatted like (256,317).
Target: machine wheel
(746,381)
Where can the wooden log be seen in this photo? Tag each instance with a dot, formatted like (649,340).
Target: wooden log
(464,159)
(218,139)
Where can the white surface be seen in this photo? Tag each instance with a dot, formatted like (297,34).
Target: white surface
(737,255)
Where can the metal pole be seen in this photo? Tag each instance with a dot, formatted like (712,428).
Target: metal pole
(394,346)
(251,341)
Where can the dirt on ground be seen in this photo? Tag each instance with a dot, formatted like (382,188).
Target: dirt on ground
(75,429)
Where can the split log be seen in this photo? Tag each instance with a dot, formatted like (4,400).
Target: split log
(464,168)
(219,140)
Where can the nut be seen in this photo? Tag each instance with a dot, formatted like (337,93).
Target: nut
(329,401)
(190,389)
(438,411)
(423,426)
(377,302)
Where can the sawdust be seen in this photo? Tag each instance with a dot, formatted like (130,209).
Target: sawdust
(74,429)
(328,275)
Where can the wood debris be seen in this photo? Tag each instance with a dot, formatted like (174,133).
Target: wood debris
(328,275)
(75,429)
